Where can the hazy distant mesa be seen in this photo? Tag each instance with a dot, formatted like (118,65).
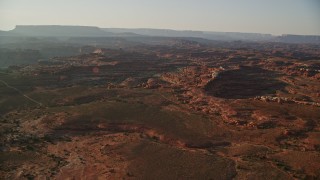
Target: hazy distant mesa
(91,31)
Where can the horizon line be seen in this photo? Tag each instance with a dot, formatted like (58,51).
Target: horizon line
(283,34)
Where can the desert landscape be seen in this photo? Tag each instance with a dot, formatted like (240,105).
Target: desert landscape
(160,108)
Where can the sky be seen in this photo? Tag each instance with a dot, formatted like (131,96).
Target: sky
(260,16)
